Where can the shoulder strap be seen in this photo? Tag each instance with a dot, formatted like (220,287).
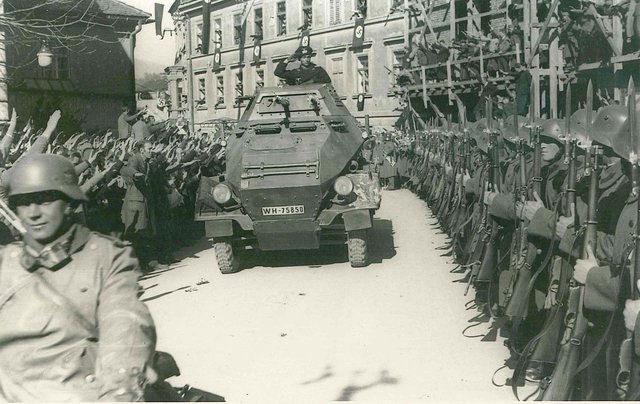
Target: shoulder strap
(67,305)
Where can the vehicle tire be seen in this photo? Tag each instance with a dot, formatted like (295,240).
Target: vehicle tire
(357,248)
(227,260)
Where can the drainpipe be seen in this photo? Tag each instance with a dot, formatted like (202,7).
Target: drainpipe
(190,103)
(132,47)
(4,87)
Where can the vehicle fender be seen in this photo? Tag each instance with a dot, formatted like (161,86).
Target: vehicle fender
(366,186)
(219,228)
(357,220)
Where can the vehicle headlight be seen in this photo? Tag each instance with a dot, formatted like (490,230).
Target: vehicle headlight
(223,143)
(343,186)
(222,193)
(365,134)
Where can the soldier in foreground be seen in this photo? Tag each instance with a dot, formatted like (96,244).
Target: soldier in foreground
(71,325)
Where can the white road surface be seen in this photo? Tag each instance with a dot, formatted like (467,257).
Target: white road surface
(306,327)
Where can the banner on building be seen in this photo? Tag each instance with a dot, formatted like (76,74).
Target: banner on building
(360,102)
(217,58)
(358,33)
(305,37)
(257,49)
(158,14)
(206,26)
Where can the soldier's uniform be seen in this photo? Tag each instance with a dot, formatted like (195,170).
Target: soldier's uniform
(71,325)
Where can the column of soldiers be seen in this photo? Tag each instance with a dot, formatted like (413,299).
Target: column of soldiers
(542,217)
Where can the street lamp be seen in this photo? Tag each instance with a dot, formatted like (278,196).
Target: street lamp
(45,56)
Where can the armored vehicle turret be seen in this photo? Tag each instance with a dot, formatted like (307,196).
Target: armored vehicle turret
(294,179)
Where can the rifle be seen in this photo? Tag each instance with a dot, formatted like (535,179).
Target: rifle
(490,260)
(450,188)
(11,218)
(534,133)
(519,254)
(446,194)
(517,303)
(544,345)
(560,385)
(464,161)
(628,378)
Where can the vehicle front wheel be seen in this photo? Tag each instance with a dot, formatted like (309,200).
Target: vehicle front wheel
(227,259)
(357,248)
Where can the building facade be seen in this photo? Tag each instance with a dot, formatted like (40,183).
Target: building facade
(92,70)
(203,90)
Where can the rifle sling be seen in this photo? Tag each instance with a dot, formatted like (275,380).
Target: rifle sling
(592,355)
(526,351)
(63,302)
(545,262)
(598,347)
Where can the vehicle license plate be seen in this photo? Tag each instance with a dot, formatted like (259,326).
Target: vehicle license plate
(283,210)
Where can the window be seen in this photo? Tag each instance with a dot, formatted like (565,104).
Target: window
(199,37)
(257,22)
(398,56)
(281,18)
(219,89)
(239,85)
(237,29)
(335,12)
(217,36)
(307,13)
(181,97)
(63,71)
(336,67)
(259,78)
(361,8)
(202,91)
(363,74)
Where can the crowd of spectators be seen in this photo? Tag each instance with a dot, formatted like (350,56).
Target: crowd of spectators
(141,187)
(494,50)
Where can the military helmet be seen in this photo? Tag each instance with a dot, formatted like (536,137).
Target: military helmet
(552,129)
(621,141)
(578,122)
(481,136)
(510,121)
(511,135)
(608,123)
(42,173)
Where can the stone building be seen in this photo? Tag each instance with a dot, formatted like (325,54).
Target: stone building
(233,27)
(91,73)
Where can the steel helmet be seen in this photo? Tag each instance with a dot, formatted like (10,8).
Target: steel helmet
(579,123)
(44,172)
(481,136)
(609,122)
(621,142)
(552,129)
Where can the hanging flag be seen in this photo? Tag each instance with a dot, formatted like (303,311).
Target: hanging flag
(217,58)
(361,102)
(358,33)
(257,49)
(305,39)
(158,13)
(206,26)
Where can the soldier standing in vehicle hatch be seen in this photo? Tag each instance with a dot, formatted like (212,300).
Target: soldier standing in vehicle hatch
(306,73)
